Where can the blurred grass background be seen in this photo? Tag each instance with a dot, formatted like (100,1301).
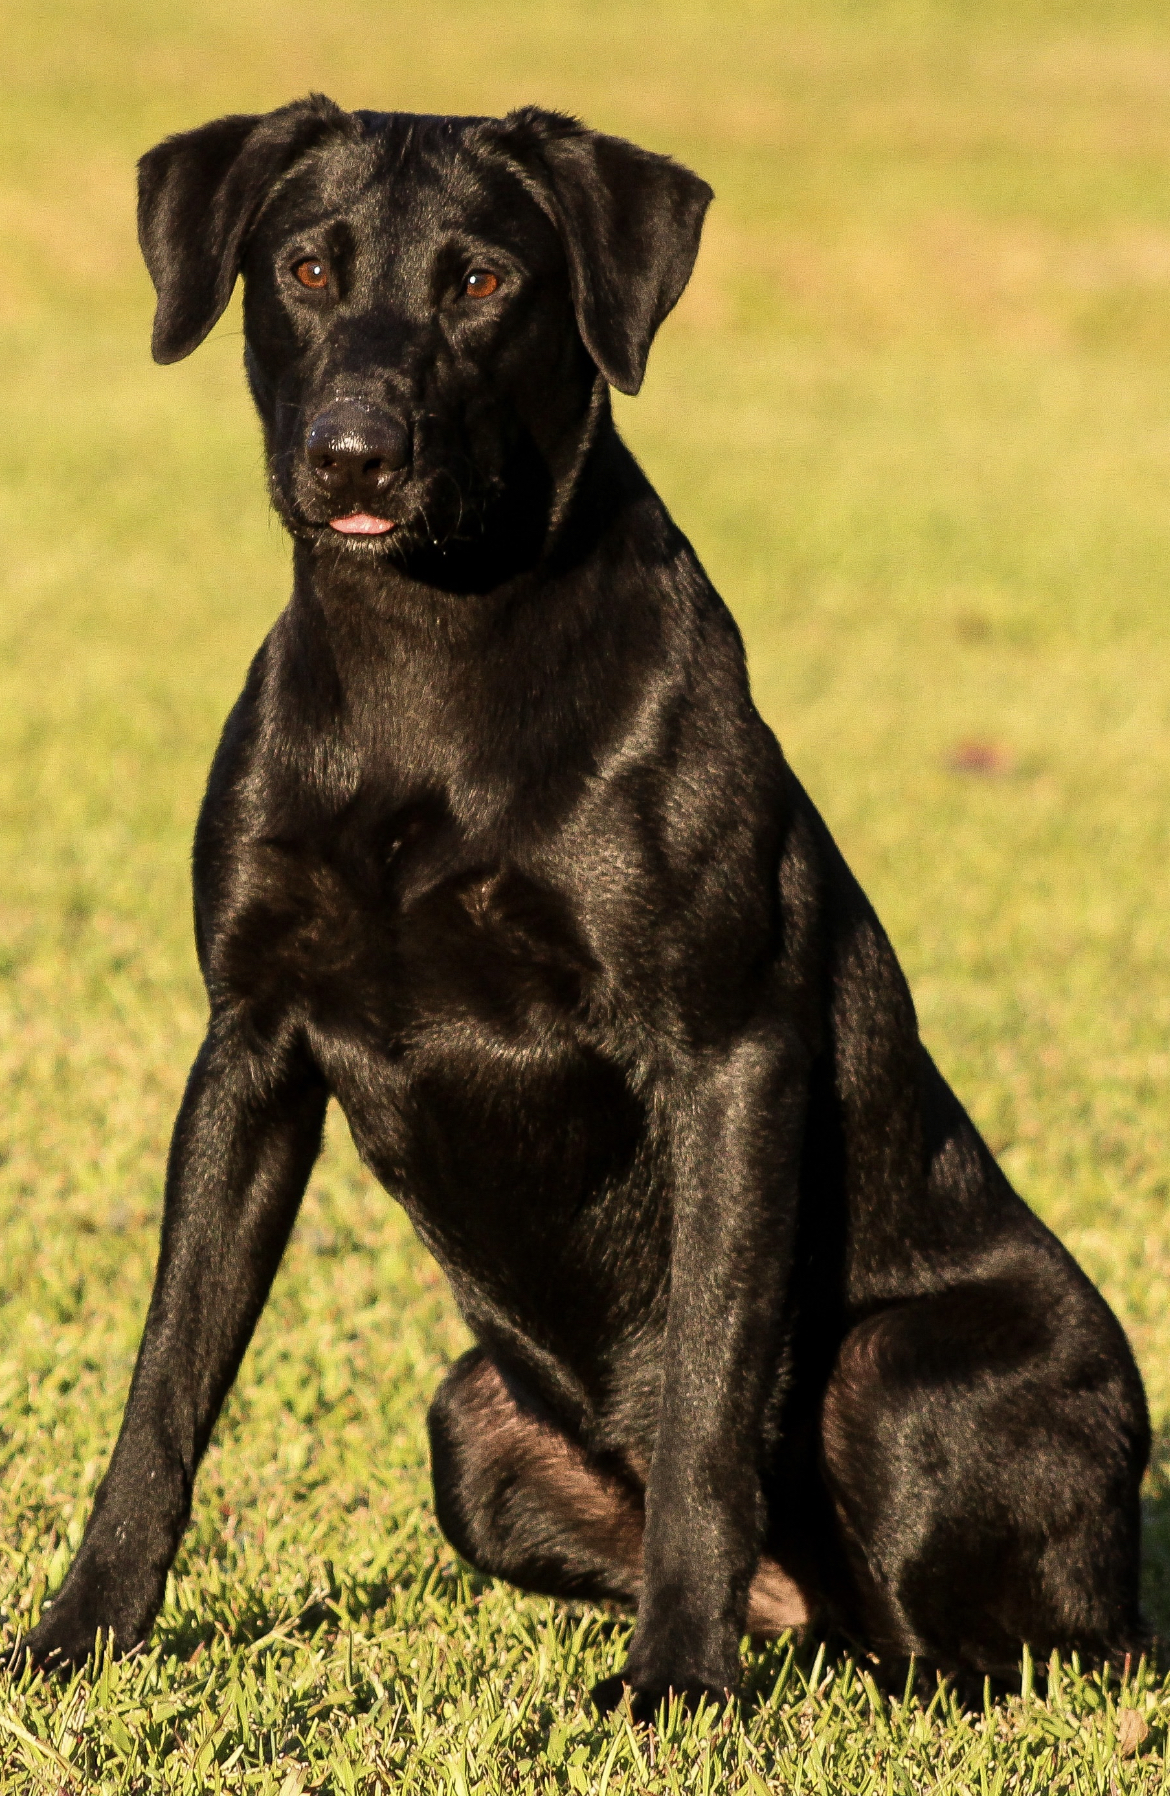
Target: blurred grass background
(914,412)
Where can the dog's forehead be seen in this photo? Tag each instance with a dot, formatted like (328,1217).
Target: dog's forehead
(409,170)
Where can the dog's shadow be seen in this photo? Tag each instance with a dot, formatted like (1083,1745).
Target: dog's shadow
(815,1656)
(184,1636)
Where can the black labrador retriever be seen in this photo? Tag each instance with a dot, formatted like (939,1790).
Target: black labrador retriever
(497,851)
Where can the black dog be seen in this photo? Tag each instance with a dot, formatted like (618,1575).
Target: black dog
(497,851)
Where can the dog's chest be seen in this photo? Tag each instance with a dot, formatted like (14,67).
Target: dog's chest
(402,938)
(416,962)
(452,1008)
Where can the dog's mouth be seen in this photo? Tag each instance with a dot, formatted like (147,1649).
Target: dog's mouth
(433,508)
(361,524)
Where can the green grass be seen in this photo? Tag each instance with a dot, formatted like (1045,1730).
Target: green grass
(915,414)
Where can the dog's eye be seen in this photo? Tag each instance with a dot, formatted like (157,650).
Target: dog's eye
(480,282)
(312,272)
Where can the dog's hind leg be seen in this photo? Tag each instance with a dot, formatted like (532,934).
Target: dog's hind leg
(983,1448)
(520,1499)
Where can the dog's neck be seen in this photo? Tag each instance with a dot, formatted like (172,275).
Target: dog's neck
(425,686)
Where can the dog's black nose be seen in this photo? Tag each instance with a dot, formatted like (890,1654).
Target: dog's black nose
(355,449)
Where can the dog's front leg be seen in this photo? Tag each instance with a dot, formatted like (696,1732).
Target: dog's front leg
(245,1140)
(737,1151)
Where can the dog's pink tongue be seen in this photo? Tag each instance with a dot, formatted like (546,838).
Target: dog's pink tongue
(360,523)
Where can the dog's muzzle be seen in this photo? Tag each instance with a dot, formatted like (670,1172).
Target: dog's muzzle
(356,451)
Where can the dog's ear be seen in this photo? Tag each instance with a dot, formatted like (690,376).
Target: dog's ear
(198,194)
(630,222)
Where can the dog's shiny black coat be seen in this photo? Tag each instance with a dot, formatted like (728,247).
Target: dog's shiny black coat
(497,851)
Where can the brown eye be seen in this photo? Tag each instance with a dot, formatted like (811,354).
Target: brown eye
(312,272)
(480,282)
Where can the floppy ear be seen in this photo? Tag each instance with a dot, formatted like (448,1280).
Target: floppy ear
(198,194)
(630,222)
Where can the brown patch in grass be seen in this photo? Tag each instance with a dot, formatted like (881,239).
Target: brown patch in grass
(981,757)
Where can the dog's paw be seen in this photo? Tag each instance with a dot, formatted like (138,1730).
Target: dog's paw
(101,1596)
(647,1695)
(70,1630)
(59,1644)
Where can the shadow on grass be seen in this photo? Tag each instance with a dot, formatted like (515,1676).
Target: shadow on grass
(333,1607)
(184,1636)
(818,1655)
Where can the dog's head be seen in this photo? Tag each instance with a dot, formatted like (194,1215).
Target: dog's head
(428,301)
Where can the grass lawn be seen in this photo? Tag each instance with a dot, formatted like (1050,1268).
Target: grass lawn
(915,414)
